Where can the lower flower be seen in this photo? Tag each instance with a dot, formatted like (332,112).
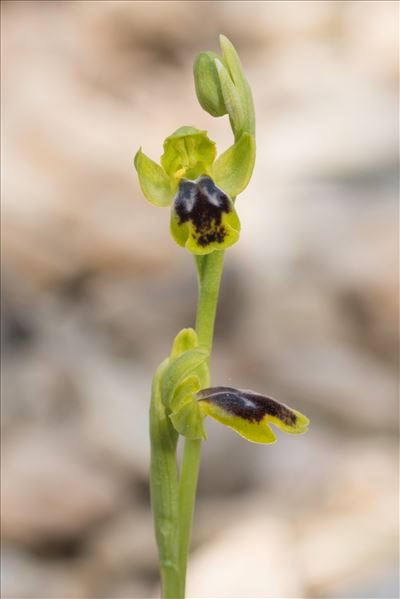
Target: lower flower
(250,413)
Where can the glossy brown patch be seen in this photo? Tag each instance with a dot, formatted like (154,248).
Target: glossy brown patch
(203,203)
(246,404)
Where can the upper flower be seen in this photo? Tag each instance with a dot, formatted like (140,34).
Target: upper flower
(200,187)
(204,186)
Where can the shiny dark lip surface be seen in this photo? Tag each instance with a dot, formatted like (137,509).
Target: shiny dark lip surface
(202,203)
(247,404)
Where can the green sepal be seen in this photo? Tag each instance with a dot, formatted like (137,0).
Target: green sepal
(188,153)
(186,339)
(234,66)
(154,182)
(185,372)
(250,414)
(233,169)
(232,60)
(179,370)
(187,416)
(232,99)
(207,84)
(188,420)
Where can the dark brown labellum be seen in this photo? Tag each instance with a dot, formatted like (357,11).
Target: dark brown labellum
(246,404)
(203,204)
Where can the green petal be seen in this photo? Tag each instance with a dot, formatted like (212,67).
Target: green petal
(203,217)
(188,153)
(188,420)
(207,84)
(233,169)
(153,180)
(250,414)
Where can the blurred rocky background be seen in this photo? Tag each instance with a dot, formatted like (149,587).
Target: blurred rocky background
(94,289)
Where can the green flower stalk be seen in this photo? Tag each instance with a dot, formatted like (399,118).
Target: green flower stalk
(201,188)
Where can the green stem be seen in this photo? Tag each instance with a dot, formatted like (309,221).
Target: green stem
(187,496)
(173,501)
(209,270)
(164,489)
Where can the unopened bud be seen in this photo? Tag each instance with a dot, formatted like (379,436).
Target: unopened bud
(207,84)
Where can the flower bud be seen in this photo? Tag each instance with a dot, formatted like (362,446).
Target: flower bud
(235,69)
(222,88)
(207,84)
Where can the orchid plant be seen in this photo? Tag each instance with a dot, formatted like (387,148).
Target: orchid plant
(200,189)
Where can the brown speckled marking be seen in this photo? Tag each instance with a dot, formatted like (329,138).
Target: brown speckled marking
(248,405)
(202,203)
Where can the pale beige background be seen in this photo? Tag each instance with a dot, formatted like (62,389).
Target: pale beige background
(94,289)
